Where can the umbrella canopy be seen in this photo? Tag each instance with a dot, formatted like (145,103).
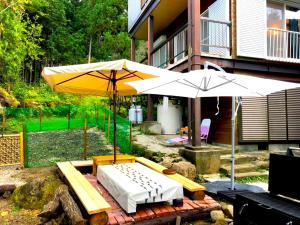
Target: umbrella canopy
(102,78)
(212,83)
(98,78)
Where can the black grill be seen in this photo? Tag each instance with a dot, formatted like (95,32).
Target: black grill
(272,208)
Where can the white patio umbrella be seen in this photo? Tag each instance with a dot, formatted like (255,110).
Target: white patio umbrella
(212,83)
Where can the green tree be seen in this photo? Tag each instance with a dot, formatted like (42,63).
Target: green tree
(105,24)
(19,39)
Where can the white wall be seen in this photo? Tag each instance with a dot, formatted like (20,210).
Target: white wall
(134,10)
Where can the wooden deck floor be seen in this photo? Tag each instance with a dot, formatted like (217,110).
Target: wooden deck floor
(157,213)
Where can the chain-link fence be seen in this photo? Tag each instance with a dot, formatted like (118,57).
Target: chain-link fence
(66,133)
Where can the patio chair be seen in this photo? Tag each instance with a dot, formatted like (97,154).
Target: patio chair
(205,125)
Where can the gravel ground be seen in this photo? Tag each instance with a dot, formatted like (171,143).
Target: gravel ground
(47,148)
(156,143)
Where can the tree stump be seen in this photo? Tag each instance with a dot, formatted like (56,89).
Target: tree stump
(62,199)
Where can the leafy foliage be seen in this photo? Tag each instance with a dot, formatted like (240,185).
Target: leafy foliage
(38,33)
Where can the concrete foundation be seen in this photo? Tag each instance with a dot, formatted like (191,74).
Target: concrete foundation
(206,160)
(281,147)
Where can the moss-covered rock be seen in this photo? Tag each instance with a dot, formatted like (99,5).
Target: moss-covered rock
(7,99)
(35,194)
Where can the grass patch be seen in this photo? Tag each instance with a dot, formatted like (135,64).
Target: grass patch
(263,179)
(223,173)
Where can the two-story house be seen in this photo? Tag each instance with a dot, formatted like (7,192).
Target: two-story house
(253,37)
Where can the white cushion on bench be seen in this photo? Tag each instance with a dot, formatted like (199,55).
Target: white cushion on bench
(133,183)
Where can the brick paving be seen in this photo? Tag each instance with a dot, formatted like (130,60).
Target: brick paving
(150,211)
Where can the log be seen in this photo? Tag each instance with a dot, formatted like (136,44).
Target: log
(50,210)
(7,187)
(99,219)
(70,207)
(198,195)
(62,198)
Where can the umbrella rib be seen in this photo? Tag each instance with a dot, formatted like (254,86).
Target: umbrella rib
(103,74)
(127,75)
(237,84)
(228,81)
(191,84)
(109,81)
(73,78)
(92,75)
(149,89)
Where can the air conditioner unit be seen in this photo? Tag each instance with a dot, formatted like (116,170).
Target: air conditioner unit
(159,40)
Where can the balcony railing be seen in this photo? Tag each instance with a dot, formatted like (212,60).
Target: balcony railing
(283,45)
(178,43)
(215,37)
(215,41)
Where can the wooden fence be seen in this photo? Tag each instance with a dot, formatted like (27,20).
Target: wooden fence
(11,150)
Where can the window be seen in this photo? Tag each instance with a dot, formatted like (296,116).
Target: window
(275,16)
(160,58)
(180,45)
(292,19)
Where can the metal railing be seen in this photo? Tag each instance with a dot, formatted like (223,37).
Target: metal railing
(215,37)
(283,45)
(178,42)
(215,40)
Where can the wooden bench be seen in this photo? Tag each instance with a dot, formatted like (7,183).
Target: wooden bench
(94,204)
(82,163)
(109,159)
(195,190)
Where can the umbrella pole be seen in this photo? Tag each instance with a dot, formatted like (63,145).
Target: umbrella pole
(232,142)
(114,112)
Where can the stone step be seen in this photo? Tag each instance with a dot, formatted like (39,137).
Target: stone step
(261,164)
(241,168)
(251,174)
(239,159)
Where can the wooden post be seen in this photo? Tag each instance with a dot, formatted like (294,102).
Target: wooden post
(115,114)
(194,56)
(69,117)
(3,121)
(132,53)
(85,138)
(108,127)
(130,133)
(41,119)
(97,115)
(22,149)
(150,60)
(104,115)
(25,149)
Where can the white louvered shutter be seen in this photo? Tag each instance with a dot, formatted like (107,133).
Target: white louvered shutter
(293,111)
(277,116)
(251,22)
(254,119)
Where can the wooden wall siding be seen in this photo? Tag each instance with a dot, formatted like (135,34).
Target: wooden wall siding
(277,116)
(293,108)
(220,130)
(255,119)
